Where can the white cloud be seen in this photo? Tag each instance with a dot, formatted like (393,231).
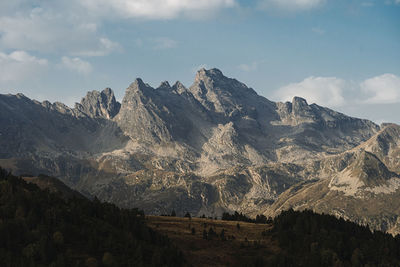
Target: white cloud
(155,9)
(367,4)
(162,43)
(53,30)
(326,91)
(73,27)
(291,5)
(383,89)
(392,2)
(104,47)
(20,65)
(335,92)
(76,64)
(249,67)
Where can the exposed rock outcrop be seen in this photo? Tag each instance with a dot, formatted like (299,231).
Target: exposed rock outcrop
(99,104)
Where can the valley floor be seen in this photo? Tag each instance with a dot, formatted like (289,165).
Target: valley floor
(238,246)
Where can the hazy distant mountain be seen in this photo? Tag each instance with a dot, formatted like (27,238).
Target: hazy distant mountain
(214,146)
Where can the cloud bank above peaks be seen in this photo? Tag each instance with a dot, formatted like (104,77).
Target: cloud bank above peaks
(383,89)
(20,65)
(335,92)
(326,91)
(53,31)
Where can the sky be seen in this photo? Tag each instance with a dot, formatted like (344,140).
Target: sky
(342,54)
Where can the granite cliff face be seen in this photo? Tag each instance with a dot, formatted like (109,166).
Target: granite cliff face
(212,147)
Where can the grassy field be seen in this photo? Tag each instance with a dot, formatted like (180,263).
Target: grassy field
(243,245)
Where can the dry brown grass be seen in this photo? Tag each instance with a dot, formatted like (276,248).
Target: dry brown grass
(241,245)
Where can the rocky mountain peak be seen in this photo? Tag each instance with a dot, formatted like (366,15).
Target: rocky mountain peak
(164,86)
(299,102)
(301,108)
(107,92)
(99,104)
(179,88)
(137,85)
(219,93)
(139,89)
(21,96)
(213,74)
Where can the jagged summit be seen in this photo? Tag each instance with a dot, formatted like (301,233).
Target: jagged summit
(137,86)
(299,101)
(204,74)
(164,86)
(99,104)
(179,88)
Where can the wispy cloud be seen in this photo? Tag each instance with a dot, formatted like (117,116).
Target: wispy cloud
(367,4)
(290,5)
(392,2)
(318,30)
(248,67)
(155,9)
(77,65)
(157,43)
(20,65)
(162,43)
(104,47)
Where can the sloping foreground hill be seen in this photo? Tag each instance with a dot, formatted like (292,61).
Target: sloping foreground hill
(40,228)
(293,238)
(53,185)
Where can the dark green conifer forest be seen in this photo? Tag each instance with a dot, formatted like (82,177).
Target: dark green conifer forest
(39,228)
(310,239)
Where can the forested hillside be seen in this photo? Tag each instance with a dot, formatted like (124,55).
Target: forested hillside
(310,239)
(40,228)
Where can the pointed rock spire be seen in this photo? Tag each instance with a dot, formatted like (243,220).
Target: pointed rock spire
(164,86)
(212,74)
(179,88)
(99,104)
(137,88)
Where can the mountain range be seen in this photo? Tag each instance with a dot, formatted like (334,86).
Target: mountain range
(212,147)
